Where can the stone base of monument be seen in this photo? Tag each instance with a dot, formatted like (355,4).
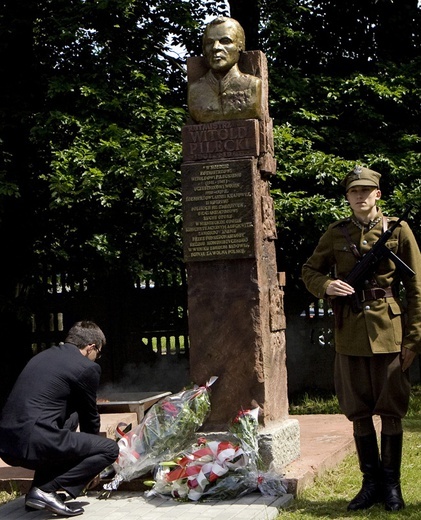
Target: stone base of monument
(279,444)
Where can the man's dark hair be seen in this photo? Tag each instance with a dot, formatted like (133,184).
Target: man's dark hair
(84,333)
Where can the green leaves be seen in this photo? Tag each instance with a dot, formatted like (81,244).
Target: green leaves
(91,121)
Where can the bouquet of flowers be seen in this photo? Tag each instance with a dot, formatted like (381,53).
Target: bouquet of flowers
(199,469)
(166,428)
(218,469)
(245,427)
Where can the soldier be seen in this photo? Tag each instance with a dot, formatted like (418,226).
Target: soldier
(374,344)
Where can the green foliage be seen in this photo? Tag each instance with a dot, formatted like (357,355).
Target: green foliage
(335,105)
(98,140)
(91,122)
(124,179)
(414,409)
(7,497)
(331,492)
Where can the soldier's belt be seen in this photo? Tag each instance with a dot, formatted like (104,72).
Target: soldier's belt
(375,294)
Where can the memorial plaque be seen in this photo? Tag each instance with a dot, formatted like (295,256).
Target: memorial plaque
(227,139)
(218,210)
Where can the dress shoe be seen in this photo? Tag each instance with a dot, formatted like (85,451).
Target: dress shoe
(38,499)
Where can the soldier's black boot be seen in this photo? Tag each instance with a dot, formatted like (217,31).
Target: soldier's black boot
(391,455)
(371,489)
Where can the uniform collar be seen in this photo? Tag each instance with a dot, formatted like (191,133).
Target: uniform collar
(370,225)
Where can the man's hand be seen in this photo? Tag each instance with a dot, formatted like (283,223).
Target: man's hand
(339,288)
(408,357)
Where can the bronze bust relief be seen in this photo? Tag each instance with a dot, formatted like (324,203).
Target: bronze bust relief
(224,92)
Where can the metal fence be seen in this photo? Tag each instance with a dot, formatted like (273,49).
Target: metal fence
(147,317)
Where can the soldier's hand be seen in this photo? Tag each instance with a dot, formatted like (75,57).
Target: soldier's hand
(339,288)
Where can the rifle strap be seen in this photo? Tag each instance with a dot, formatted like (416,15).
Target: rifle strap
(352,246)
(385,224)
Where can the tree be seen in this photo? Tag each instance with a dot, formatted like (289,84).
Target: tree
(91,115)
(339,96)
(247,13)
(90,121)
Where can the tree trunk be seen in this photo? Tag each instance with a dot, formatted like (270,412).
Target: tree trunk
(246,12)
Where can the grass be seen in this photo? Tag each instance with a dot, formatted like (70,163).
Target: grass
(311,403)
(328,497)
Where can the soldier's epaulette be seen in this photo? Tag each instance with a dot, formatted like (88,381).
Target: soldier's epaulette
(392,220)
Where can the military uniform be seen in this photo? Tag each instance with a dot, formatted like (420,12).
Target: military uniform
(236,96)
(378,327)
(369,339)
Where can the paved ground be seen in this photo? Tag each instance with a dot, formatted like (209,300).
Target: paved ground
(131,505)
(324,441)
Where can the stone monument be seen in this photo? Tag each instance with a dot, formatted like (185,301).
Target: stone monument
(235,294)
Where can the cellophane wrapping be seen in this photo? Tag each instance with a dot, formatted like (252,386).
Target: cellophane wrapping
(220,468)
(168,426)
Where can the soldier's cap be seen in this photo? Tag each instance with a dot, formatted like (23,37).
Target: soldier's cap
(361,176)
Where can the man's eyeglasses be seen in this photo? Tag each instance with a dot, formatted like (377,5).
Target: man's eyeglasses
(98,352)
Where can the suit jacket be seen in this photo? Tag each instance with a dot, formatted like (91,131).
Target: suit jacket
(54,384)
(379,327)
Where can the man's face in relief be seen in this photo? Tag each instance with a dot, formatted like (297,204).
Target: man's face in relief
(221,47)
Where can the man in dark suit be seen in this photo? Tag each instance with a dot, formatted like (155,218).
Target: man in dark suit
(56,392)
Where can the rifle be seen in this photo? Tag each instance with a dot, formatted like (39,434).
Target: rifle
(371,259)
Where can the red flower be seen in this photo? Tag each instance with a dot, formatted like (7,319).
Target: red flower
(170,408)
(192,483)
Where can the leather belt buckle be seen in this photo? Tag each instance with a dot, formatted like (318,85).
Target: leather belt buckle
(378,293)
(373,294)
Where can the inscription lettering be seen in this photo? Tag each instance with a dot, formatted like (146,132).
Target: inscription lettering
(227,139)
(218,210)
